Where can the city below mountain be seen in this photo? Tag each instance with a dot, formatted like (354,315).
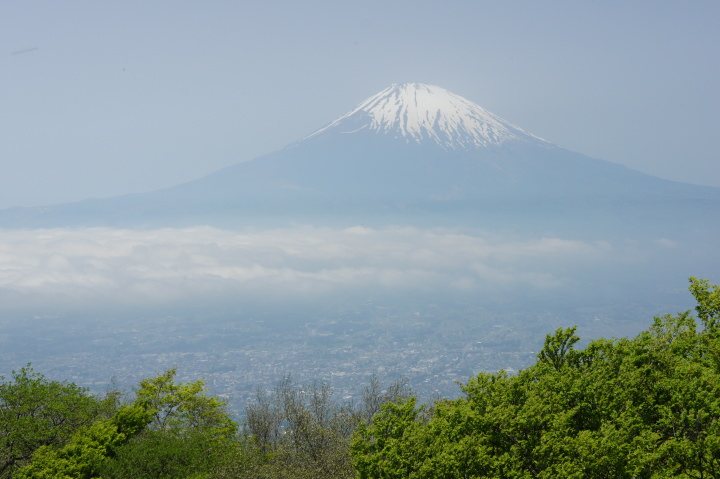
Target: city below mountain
(412,154)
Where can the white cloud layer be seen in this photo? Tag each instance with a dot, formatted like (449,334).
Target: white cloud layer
(95,266)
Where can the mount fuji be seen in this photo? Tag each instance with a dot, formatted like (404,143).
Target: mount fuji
(411,154)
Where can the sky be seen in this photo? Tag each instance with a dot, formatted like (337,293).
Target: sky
(107,98)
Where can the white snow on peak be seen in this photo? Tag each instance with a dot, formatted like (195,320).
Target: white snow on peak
(419,112)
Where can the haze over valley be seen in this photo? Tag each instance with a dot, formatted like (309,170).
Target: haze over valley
(417,236)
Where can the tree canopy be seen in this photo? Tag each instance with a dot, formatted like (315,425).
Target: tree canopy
(626,408)
(36,412)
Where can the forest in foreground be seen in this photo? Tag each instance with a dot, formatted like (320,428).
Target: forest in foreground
(646,407)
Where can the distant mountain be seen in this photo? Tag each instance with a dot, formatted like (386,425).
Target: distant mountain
(411,154)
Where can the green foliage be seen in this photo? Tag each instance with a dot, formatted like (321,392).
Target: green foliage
(642,408)
(87,449)
(389,443)
(189,433)
(178,407)
(131,419)
(162,454)
(37,412)
(708,298)
(558,348)
(171,430)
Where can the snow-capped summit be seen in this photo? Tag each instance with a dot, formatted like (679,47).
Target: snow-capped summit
(419,112)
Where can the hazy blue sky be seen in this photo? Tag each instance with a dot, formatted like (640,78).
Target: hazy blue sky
(102,98)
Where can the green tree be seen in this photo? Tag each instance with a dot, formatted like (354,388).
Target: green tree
(184,407)
(388,445)
(189,433)
(708,298)
(164,454)
(36,412)
(170,430)
(645,407)
(83,456)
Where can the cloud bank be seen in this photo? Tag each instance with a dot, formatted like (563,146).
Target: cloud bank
(74,267)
